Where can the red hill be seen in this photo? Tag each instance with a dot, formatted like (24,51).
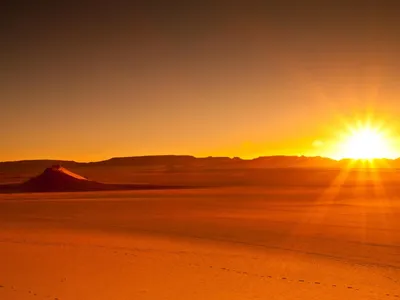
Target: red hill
(58,178)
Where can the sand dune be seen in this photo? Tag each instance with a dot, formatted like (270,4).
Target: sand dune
(67,172)
(233,243)
(59,179)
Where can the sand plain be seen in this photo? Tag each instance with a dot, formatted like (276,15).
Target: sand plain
(215,243)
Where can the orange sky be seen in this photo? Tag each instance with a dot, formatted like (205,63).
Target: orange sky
(91,82)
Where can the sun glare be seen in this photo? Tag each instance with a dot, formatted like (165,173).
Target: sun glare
(365,142)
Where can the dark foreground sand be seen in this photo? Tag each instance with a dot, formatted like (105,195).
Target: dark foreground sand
(232,243)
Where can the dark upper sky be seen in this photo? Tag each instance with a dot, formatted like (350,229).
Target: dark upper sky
(86,80)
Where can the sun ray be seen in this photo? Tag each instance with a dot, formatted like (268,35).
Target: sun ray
(383,203)
(321,207)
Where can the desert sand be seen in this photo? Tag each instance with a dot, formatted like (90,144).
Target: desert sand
(216,243)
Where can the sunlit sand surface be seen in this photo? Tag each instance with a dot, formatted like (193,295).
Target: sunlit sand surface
(220,243)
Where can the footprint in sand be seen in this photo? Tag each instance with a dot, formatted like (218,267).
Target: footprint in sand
(285,278)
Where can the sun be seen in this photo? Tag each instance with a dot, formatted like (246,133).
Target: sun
(365,142)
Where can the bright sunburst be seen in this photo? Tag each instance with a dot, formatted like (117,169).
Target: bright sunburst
(365,142)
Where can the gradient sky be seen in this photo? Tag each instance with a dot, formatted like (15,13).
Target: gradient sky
(90,81)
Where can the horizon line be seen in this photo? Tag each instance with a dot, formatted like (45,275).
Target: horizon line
(199,157)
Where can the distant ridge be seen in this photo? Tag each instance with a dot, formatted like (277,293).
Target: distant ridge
(187,161)
(174,171)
